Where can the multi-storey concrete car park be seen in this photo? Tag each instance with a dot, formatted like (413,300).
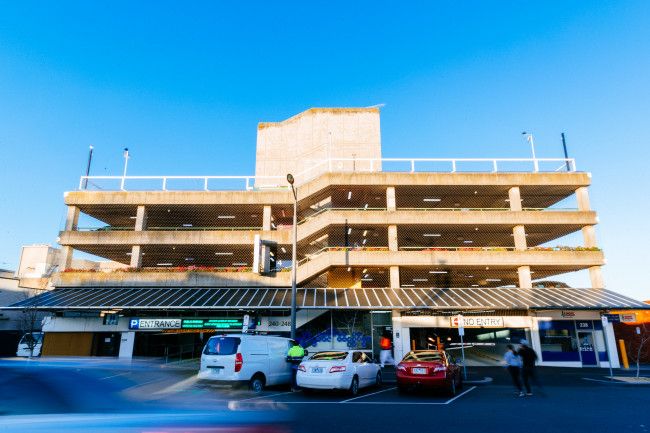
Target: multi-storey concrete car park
(383,245)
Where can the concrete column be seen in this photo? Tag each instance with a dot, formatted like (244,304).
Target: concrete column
(266,218)
(394,277)
(514,195)
(390,198)
(141,219)
(589,236)
(519,233)
(65,258)
(612,347)
(136,256)
(398,335)
(72,218)
(596,276)
(392,238)
(126,345)
(582,195)
(525,280)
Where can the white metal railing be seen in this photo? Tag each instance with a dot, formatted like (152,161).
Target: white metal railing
(362,165)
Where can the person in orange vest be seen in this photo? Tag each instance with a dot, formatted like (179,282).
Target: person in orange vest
(385,354)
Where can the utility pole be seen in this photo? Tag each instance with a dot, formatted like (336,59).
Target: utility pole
(566,154)
(90,158)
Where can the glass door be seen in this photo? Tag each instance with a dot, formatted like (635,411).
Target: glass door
(587,349)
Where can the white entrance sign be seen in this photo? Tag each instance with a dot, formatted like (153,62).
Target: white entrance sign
(478,322)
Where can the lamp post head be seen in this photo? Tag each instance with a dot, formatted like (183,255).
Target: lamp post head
(290,179)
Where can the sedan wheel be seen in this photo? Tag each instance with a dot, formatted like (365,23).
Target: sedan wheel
(354,386)
(378,379)
(452,387)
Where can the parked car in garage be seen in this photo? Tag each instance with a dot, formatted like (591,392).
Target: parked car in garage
(431,369)
(246,359)
(349,370)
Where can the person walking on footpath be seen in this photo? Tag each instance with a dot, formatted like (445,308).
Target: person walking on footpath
(513,364)
(528,360)
(385,354)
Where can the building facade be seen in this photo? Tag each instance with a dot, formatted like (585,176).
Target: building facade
(397,246)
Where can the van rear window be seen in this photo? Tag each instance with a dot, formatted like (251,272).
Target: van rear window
(222,346)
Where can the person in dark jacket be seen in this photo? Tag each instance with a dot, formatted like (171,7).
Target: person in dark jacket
(528,360)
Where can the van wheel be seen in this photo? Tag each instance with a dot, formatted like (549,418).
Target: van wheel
(354,386)
(256,384)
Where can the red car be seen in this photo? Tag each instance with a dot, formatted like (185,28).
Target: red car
(432,369)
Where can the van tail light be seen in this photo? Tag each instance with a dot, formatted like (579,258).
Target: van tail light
(337,369)
(239,361)
(438,368)
(301,367)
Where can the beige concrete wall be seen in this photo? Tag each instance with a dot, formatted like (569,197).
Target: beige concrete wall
(208,237)
(298,144)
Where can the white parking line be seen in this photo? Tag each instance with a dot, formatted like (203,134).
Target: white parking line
(265,396)
(460,395)
(367,395)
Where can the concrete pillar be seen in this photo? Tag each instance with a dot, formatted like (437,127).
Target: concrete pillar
(72,218)
(400,335)
(589,236)
(126,345)
(525,280)
(612,349)
(136,256)
(141,219)
(65,258)
(390,198)
(596,276)
(392,238)
(514,195)
(266,218)
(394,277)
(582,196)
(519,233)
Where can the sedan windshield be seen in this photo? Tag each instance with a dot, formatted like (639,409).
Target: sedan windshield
(425,356)
(329,356)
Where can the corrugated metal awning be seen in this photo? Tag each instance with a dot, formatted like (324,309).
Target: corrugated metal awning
(366,298)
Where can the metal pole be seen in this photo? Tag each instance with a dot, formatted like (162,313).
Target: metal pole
(609,356)
(566,154)
(126,163)
(294,264)
(90,158)
(461,325)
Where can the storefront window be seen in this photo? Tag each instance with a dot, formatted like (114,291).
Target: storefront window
(558,340)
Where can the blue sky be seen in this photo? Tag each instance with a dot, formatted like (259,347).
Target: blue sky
(183,86)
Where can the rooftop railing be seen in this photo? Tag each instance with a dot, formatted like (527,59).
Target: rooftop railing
(361,165)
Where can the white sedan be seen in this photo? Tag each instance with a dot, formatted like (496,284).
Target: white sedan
(349,370)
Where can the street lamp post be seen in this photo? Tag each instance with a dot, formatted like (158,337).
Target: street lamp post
(531,140)
(90,159)
(294,264)
(126,163)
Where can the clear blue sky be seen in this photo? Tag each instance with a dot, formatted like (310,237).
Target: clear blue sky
(184,85)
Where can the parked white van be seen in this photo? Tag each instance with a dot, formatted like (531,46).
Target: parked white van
(35,340)
(246,359)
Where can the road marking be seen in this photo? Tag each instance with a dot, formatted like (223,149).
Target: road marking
(613,382)
(266,396)
(367,395)
(460,395)
(115,375)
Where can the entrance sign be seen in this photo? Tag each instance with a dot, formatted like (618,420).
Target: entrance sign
(477,322)
(220,323)
(155,323)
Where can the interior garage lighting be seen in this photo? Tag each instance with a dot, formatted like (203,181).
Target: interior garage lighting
(189,259)
(366,279)
(432,199)
(432,235)
(468,242)
(365,232)
(469,276)
(226,217)
(284,250)
(364,241)
(420,279)
(365,206)
(408,285)
(223,254)
(493,279)
(350,230)
(164,264)
(474,285)
(349,195)
(438,272)
(187,225)
(240,264)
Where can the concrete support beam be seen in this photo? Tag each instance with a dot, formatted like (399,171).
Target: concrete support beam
(266,218)
(525,280)
(141,219)
(392,238)
(72,218)
(589,236)
(596,276)
(136,256)
(514,195)
(391,203)
(582,195)
(65,258)
(519,233)
(394,277)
